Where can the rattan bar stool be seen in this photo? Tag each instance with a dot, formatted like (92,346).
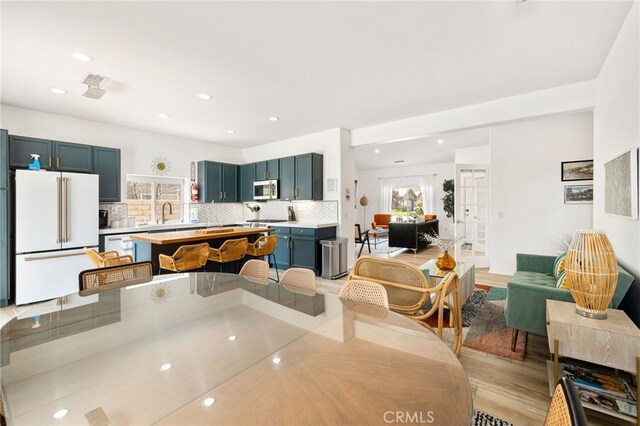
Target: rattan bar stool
(109,277)
(365,292)
(107,258)
(186,258)
(265,246)
(299,278)
(258,269)
(229,251)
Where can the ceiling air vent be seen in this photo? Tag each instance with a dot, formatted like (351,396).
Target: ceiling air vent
(93,82)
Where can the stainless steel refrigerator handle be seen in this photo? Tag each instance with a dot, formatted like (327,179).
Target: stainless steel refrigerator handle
(66,209)
(30,259)
(59,211)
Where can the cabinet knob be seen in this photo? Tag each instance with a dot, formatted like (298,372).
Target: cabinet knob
(49,162)
(57,162)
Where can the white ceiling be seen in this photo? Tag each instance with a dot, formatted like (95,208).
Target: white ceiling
(419,151)
(316,65)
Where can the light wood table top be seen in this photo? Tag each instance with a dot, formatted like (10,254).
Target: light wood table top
(163,238)
(338,364)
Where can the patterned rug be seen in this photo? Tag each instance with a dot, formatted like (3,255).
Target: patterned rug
(483,419)
(484,324)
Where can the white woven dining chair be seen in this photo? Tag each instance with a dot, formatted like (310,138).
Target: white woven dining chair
(299,278)
(365,292)
(255,268)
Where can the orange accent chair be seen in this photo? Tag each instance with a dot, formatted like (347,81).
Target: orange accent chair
(381,220)
(430,217)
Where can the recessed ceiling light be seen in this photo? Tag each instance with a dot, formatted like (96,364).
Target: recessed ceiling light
(440,141)
(231,131)
(277,360)
(165,367)
(82,57)
(274,118)
(161,115)
(232,338)
(60,413)
(204,96)
(377,151)
(208,402)
(58,91)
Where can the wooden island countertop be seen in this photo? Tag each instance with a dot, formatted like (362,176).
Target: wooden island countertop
(165,238)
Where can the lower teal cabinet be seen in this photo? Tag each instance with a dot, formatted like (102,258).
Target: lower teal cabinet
(282,251)
(304,252)
(300,247)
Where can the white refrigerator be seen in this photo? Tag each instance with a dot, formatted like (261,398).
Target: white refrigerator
(56,217)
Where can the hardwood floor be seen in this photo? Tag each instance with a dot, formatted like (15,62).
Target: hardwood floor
(516,391)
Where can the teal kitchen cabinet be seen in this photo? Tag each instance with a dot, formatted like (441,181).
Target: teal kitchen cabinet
(54,155)
(283,248)
(304,252)
(5,263)
(21,148)
(247,174)
(301,177)
(72,157)
(268,170)
(300,247)
(106,164)
(218,182)
(4,159)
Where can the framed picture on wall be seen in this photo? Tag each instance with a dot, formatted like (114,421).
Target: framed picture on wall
(578,194)
(577,170)
(621,185)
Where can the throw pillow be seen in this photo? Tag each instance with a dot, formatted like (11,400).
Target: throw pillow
(558,265)
(561,282)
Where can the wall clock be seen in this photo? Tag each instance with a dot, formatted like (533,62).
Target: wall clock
(160,166)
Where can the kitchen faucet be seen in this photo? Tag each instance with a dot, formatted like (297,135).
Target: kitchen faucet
(170,210)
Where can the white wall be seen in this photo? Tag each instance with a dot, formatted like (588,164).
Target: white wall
(527,201)
(474,155)
(617,129)
(368,185)
(138,148)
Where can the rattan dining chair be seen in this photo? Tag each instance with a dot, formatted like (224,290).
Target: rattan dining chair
(265,246)
(365,292)
(255,268)
(109,277)
(107,258)
(566,408)
(230,251)
(186,258)
(299,278)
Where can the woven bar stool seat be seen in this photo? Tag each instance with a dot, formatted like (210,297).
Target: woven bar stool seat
(229,251)
(265,246)
(107,258)
(186,258)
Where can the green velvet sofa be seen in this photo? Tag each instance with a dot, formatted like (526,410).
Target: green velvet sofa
(531,286)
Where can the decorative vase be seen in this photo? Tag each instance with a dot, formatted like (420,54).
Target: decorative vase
(446,262)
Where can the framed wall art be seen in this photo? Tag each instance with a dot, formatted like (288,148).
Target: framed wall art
(577,170)
(621,185)
(578,194)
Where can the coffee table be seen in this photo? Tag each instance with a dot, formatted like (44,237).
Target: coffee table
(466,274)
(378,233)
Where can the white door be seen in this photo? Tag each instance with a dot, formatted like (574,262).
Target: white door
(38,203)
(80,210)
(472,214)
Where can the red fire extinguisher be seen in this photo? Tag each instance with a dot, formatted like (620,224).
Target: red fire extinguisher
(194,191)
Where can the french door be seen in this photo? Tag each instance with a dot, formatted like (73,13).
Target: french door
(472,214)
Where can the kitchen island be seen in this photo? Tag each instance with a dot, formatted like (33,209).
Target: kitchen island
(149,246)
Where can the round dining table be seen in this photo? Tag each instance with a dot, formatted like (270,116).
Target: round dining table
(222,349)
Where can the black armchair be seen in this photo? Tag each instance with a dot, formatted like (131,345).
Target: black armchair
(403,234)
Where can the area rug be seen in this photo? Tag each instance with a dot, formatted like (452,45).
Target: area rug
(484,324)
(483,419)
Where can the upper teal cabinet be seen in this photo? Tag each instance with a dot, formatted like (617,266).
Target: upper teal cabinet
(268,170)
(301,177)
(247,177)
(217,181)
(62,156)
(73,157)
(21,148)
(4,159)
(106,164)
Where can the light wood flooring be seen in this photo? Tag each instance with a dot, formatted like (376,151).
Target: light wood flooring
(516,391)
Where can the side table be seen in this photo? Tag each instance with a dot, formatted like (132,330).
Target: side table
(613,342)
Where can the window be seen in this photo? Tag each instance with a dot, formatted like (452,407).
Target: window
(406,202)
(146,196)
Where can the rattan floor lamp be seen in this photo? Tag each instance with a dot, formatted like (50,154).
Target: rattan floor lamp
(592,272)
(364,202)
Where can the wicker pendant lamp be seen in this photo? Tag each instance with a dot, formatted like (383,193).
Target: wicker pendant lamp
(592,272)
(364,202)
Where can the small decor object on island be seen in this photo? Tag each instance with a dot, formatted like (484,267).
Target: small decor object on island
(160,166)
(577,170)
(445,262)
(592,272)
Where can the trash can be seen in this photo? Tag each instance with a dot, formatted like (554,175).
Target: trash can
(334,258)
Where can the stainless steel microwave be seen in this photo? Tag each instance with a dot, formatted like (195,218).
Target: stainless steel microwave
(265,190)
